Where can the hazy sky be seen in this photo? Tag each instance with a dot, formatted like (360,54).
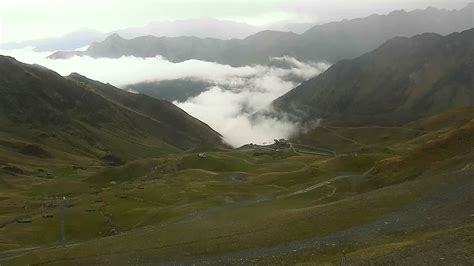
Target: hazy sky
(33,19)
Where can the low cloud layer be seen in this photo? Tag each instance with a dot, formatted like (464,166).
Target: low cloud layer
(237,105)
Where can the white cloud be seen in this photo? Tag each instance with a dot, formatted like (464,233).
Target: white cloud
(223,110)
(237,106)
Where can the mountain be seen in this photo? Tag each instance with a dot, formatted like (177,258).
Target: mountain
(352,38)
(198,27)
(174,49)
(402,80)
(251,50)
(70,41)
(55,115)
(329,42)
(206,27)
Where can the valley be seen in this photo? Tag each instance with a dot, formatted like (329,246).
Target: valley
(195,133)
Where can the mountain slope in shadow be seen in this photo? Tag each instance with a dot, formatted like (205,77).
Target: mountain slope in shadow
(85,117)
(401,81)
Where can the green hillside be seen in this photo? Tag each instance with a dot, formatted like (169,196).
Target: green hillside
(409,202)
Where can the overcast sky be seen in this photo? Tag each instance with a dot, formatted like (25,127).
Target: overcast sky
(33,19)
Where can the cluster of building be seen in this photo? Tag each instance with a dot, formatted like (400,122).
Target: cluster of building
(281,143)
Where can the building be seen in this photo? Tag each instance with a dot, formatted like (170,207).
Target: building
(281,143)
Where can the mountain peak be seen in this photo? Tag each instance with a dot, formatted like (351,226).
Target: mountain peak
(115,37)
(397,12)
(76,75)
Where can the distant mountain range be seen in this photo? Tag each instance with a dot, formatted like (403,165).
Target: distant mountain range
(78,116)
(403,80)
(199,27)
(330,42)
(207,28)
(70,41)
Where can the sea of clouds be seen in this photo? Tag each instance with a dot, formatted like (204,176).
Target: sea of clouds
(237,105)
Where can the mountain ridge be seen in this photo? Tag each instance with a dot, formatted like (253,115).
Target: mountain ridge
(331,42)
(203,27)
(402,80)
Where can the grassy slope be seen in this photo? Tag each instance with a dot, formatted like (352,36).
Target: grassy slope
(249,205)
